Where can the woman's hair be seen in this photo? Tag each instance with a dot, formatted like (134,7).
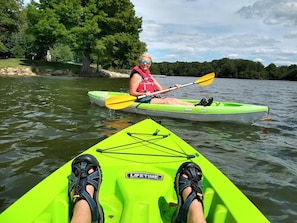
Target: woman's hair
(145,54)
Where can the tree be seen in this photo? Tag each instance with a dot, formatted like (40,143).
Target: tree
(273,71)
(106,29)
(120,50)
(61,53)
(292,73)
(44,25)
(9,23)
(225,68)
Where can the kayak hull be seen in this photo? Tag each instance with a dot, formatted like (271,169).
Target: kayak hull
(217,112)
(139,165)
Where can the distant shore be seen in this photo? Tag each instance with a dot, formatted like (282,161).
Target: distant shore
(11,71)
(27,71)
(24,67)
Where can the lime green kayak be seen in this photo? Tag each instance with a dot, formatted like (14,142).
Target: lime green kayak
(138,164)
(217,112)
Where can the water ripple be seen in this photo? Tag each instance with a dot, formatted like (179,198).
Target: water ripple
(46,121)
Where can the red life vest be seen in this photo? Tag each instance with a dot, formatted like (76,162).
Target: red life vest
(147,83)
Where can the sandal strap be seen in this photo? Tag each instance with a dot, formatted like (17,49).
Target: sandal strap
(182,217)
(92,179)
(79,179)
(183,183)
(93,205)
(193,180)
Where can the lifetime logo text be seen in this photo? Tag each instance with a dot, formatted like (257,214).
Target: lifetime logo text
(140,175)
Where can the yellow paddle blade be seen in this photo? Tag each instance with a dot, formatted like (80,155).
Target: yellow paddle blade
(205,79)
(119,102)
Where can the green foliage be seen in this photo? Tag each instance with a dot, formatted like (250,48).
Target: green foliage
(119,50)
(61,53)
(9,15)
(292,73)
(44,25)
(2,47)
(18,51)
(226,68)
(103,30)
(10,21)
(273,73)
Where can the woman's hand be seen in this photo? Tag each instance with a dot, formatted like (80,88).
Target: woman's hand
(176,85)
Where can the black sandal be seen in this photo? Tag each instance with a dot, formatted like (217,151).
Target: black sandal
(209,101)
(202,102)
(194,173)
(79,179)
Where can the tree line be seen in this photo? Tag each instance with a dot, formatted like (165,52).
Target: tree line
(227,68)
(105,33)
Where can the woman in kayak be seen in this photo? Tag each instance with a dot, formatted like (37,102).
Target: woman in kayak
(143,83)
(86,178)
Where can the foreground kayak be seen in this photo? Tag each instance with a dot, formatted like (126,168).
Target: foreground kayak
(138,165)
(217,112)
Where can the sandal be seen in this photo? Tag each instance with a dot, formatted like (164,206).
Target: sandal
(194,173)
(209,101)
(201,102)
(79,179)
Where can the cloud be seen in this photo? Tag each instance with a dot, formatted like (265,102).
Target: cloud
(291,35)
(245,41)
(196,30)
(272,11)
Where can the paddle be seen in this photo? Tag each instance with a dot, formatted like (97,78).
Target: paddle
(123,101)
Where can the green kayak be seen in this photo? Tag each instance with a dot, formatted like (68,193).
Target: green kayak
(217,112)
(138,164)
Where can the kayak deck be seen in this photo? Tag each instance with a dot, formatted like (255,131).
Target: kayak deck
(139,165)
(217,112)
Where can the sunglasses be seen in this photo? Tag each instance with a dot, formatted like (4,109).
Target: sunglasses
(145,62)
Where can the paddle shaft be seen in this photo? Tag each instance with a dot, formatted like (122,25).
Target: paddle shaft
(165,90)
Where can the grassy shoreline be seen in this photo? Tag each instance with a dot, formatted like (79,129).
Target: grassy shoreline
(53,69)
(41,65)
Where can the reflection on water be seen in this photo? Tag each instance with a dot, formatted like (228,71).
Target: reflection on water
(113,126)
(46,121)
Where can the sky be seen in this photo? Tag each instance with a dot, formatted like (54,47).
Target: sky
(203,30)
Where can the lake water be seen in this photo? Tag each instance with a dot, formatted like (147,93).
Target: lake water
(46,121)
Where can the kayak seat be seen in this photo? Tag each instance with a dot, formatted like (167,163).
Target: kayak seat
(140,190)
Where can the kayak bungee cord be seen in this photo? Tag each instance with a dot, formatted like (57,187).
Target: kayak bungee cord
(156,137)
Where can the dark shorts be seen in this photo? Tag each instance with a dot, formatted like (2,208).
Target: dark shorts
(147,99)
(144,100)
